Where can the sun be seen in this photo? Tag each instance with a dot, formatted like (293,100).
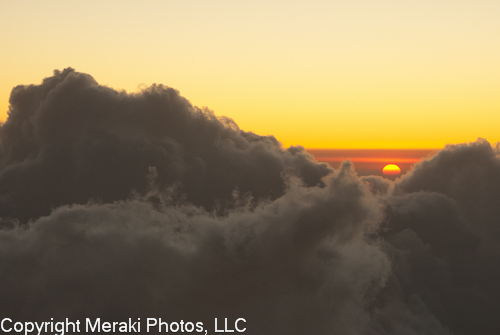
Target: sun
(391,170)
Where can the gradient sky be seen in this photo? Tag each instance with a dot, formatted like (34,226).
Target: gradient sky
(372,161)
(322,74)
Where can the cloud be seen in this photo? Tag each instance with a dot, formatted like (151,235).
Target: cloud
(468,174)
(69,139)
(296,264)
(118,205)
(443,234)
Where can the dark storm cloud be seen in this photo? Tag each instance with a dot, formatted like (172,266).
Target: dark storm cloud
(296,265)
(119,205)
(468,174)
(69,139)
(442,234)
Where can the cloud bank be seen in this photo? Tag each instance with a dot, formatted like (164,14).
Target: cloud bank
(118,206)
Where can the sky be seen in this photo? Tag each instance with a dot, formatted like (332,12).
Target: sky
(322,74)
(372,161)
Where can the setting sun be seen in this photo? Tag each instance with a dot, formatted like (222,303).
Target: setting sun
(391,170)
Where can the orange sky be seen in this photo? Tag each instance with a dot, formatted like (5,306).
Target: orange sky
(367,162)
(334,74)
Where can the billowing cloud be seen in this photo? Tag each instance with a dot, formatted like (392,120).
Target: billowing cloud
(118,206)
(69,139)
(468,174)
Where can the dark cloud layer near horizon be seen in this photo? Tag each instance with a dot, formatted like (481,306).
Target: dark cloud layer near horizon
(119,205)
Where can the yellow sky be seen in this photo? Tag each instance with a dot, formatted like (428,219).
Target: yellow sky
(338,74)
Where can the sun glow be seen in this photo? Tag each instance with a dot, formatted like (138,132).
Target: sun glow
(348,68)
(391,170)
